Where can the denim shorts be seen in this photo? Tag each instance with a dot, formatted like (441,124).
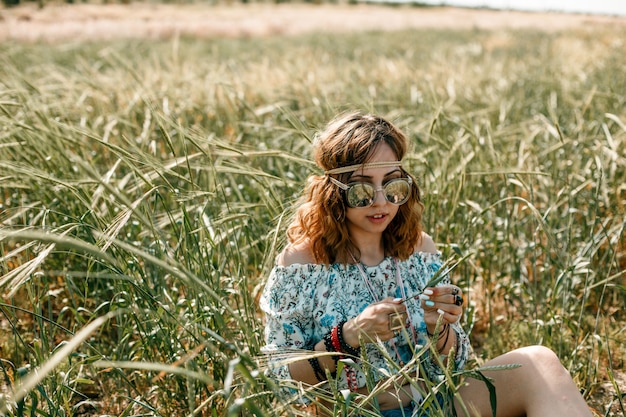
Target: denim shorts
(411,410)
(399,412)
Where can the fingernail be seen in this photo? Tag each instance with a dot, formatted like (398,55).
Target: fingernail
(424,297)
(428,292)
(429,303)
(441,312)
(397,299)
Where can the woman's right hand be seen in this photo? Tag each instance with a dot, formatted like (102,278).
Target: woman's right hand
(380,320)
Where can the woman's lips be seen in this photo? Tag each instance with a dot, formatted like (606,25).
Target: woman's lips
(377,218)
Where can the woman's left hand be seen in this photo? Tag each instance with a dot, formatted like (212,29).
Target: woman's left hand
(445,301)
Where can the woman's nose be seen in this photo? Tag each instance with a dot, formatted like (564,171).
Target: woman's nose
(379,197)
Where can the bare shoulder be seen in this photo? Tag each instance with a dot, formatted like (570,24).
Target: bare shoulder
(296,254)
(426,244)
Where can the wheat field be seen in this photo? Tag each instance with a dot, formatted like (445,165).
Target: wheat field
(146,182)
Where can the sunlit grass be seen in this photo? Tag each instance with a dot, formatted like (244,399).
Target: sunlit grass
(146,186)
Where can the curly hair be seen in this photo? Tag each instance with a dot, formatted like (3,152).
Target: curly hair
(350,139)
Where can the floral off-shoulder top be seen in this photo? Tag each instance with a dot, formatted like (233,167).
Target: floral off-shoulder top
(303,302)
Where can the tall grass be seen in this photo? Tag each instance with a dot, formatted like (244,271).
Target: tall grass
(146,186)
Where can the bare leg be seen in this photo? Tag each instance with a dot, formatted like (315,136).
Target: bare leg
(541,387)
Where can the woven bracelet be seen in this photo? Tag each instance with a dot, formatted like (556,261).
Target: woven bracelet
(444,331)
(445,342)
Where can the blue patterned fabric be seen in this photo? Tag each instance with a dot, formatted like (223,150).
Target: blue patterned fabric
(302,303)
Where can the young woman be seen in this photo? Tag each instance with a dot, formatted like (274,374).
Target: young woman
(353,282)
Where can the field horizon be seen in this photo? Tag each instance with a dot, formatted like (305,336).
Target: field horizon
(59,22)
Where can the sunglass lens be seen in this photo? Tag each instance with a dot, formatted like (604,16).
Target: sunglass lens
(360,195)
(397,191)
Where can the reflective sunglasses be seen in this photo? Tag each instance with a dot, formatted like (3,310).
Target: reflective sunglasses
(363,194)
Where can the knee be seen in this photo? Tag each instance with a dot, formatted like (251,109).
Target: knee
(541,358)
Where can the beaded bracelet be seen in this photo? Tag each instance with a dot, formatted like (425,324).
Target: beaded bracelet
(334,337)
(352,381)
(319,373)
(345,347)
(334,342)
(328,344)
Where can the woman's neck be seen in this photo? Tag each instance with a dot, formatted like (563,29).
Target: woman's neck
(372,253)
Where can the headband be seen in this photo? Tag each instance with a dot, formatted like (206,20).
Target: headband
(351,168)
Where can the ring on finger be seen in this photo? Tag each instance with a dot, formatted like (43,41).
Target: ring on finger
(396,321)
(455,291)
(458,300)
